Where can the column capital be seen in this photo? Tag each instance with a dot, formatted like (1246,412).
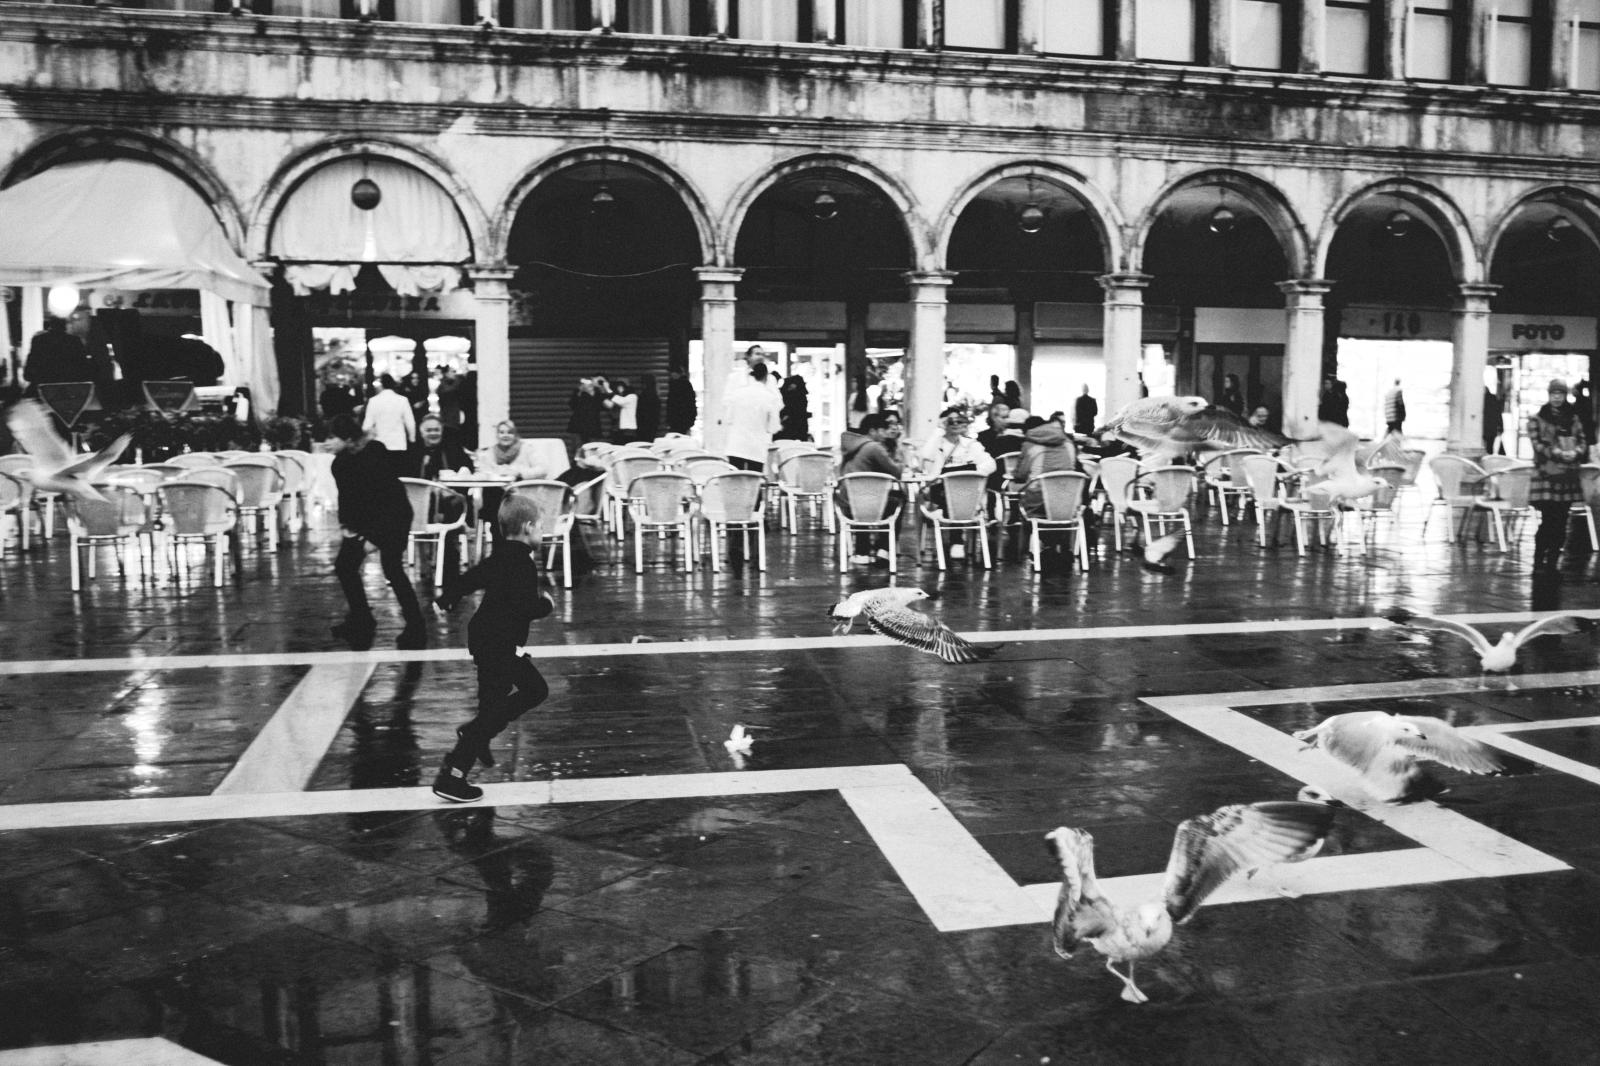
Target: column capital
(1317,287)
(938,279)
(1129,282)
(267,268)
(716,275)
(1470,292)
(491,272)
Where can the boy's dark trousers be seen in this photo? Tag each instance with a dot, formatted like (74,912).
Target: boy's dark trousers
(392,554)
(509,686)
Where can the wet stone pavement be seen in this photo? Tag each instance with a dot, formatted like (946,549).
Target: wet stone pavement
(216,833)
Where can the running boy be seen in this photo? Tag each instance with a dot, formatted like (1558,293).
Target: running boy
(508,685)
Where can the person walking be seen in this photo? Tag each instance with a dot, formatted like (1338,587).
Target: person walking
(1085,412)
(389,420)
(750,418)
(509,685)
(1394,409)
(373,509)
(1559,445)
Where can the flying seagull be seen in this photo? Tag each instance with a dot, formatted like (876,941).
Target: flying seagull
(1387,748)
(1339,479)
(1206,852)
(888,611)
(1164,428)
(56,468)
(1502,655)
(1157,550)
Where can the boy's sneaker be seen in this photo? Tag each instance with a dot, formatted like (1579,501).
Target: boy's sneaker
(452,784)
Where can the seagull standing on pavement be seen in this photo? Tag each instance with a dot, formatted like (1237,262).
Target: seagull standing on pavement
(1206,851)
(56,467)
(1502,655)
(1166,427)
(888,611)
(1387,750)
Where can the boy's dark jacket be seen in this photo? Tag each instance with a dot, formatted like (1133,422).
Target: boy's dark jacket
(512,599)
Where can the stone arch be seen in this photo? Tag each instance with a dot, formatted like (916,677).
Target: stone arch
(750,191)
(693,201)
(1102,210)
(74,146)
(282,184)
(1265,198)
(1439,212)
(1582,205)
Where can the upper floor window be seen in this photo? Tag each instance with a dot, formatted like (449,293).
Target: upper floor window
(1586,45)
(1514,37)
(1347,37)
(1167,30)
(1259,34)
(438,12)
(545,14)
(975,24)
(769,20)
(875,23)
(1074,28)
(1431,40)
(666,17)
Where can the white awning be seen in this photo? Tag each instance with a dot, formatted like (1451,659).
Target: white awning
(119,223)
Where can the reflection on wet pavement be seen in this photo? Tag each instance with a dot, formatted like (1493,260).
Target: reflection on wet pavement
(792,927)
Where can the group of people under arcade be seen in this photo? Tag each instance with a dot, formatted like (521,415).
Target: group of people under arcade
(613,410)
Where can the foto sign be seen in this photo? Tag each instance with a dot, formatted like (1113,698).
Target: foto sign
(1542,333)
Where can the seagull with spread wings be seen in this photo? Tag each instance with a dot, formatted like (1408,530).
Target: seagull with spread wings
(1166,427)
(1501,655)
(1338,478)
(888,611)
(1388,748)
(56,468)
(1207,851)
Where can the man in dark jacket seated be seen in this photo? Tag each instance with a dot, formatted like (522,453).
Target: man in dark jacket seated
(870,451)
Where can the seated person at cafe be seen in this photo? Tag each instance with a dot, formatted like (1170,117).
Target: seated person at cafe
(870,450)
(56,355)
(436,455)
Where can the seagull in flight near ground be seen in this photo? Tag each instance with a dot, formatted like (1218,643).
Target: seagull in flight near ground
(1157,550)
(1339,479)
(888,611)
(1387,748)
(1502,655)
(1206,852)
(56,468)
(1166,427)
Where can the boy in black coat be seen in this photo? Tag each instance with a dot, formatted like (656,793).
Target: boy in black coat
(508,684)
(373,508)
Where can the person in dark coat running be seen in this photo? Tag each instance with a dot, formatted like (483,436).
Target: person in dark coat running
(373,508)
(509,685)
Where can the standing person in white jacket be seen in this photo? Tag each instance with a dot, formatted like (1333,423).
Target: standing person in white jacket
(388,419)
(750,418)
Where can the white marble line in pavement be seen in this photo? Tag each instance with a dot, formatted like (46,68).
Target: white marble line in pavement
(505,794)
(145,1051)
(1385,690)
(1524,727)
(1485,851)
(1318,876)
(285,754)
(1534,753)
(955,881)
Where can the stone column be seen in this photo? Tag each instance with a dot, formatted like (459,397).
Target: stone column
(32,320)
(720,15)
(930,24)
(717,302)
(1302,354)
(1478,64)
(1219,36)
(1030,26)
(925,360)
(1393,16)
(1121,338)
(605,15)
(1469,333)
(1125,44)
(492,341)
(1563,44)
(824,22)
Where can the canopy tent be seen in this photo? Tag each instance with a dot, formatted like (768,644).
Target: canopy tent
(124,224)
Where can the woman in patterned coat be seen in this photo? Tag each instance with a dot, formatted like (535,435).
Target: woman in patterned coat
(1559,447)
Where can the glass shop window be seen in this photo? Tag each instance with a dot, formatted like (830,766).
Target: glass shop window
(977,24)
(1430,47)
(1347,37)
(1166,30)
(1258,34)
(1073,28)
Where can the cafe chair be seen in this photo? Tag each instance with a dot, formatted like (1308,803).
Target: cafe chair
(1458,483)
(1062,494)
(806,478)
(661,502)
(432,506)
(733,503)
(260,494)
(962,510)
(198,511)
(554,530)
(14,503)
(866,503)
(118,521)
